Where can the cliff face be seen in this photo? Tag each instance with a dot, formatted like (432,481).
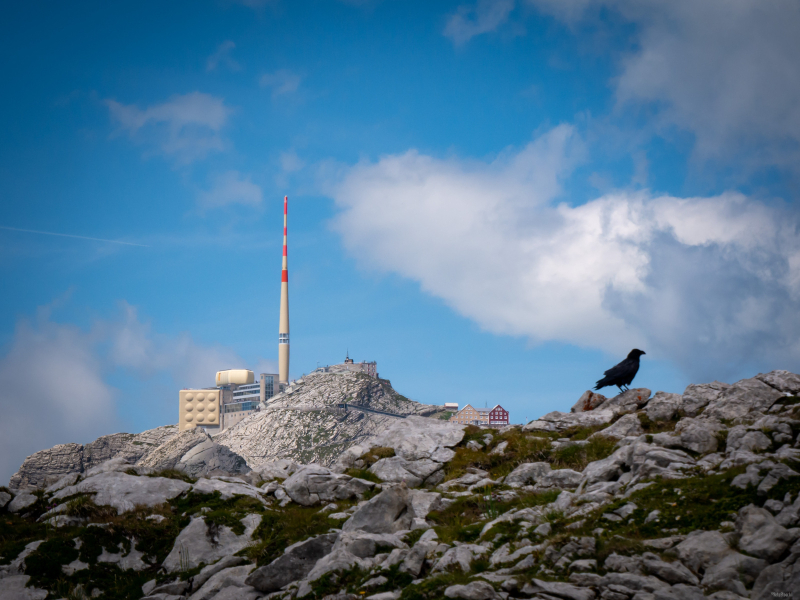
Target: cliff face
(48,466)
(305,424)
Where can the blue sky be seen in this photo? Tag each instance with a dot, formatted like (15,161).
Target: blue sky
(496,200)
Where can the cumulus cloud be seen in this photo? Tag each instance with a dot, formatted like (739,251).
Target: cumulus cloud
(482,17)
(708,283)
(281,81)
(727,71)
(222,56)
(230,188)
(55,376)
(185,127)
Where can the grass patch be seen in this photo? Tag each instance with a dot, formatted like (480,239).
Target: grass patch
(650,427)
(83,506)
(695,503)
(375,454)
(280,529)
(364,474)
(577,457)
(433,588)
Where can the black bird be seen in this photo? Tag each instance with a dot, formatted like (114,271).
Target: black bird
(622,374)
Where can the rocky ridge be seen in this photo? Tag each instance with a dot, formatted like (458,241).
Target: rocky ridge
(303,424)
(636,497)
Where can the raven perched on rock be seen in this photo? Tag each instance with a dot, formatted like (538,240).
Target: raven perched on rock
(622,374)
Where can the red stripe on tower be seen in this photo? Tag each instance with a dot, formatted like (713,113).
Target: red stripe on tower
(285,204)
(285,276)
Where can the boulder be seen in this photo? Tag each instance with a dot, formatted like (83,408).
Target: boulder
(774,581)
(627,402)
(312,484)
(663,406)
(416,438)
(702,550)
(733,572)
(4,498)
(365,545)
(672,573)
(124,492)
(281,468)
(698,436)
(169,454)
(760,534)
(783,381)
(559,421)
(740,439)
(460,557)
(232,579)
(566,591)
(21,502)
(198,543)
(697,396)
(294,564)
(388,512)
(227,489)
(588,401)
(208,457)
(741,399)
(397,469)
(475,590)
(526,474)
(206,572)
(625,426)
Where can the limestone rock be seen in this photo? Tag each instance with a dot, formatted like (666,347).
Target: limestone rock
(627,425)
(783,381)
(208,457)
(626,402)
(740,439)
(168,454)
(702,550)
(475,590)
(124,492)
(588,401)
(397,469)
(199,543)
(48,466)
(672,573)
(232,579)
(306,425)
(459,557)
(4,498)
(294,564)
(387,512)
(760,535)
(742,398)
(697,396)
(227,489)
(280,468)
(21,502)
(559,421)
(312,484)
(663,406)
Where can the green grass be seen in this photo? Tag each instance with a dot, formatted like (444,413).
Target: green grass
(375,454)
(365,474)
(526,448)
(280,529)
(652,427)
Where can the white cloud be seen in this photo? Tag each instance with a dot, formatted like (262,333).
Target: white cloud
(705,282)
(482,17)
(725,70)
(54,378)
(186,127)
(222,56)
(229,188)
(281,81)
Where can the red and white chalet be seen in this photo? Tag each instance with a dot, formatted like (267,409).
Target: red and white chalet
(496,416)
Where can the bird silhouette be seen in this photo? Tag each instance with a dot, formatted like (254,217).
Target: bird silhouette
(622,375)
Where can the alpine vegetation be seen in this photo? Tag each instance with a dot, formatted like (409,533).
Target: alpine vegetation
(641,496)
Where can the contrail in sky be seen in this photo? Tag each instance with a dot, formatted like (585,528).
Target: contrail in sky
(78,237)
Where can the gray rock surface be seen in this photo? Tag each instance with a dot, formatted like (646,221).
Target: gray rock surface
(760,534)
(294,564)
(14,588)
(312,484)
(124,492)
(742,398)
(209,458)
(663,406)
(48,466)
(388,512)
(475,590)
(198,543)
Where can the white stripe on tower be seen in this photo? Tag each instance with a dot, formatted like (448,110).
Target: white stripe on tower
(283,328)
